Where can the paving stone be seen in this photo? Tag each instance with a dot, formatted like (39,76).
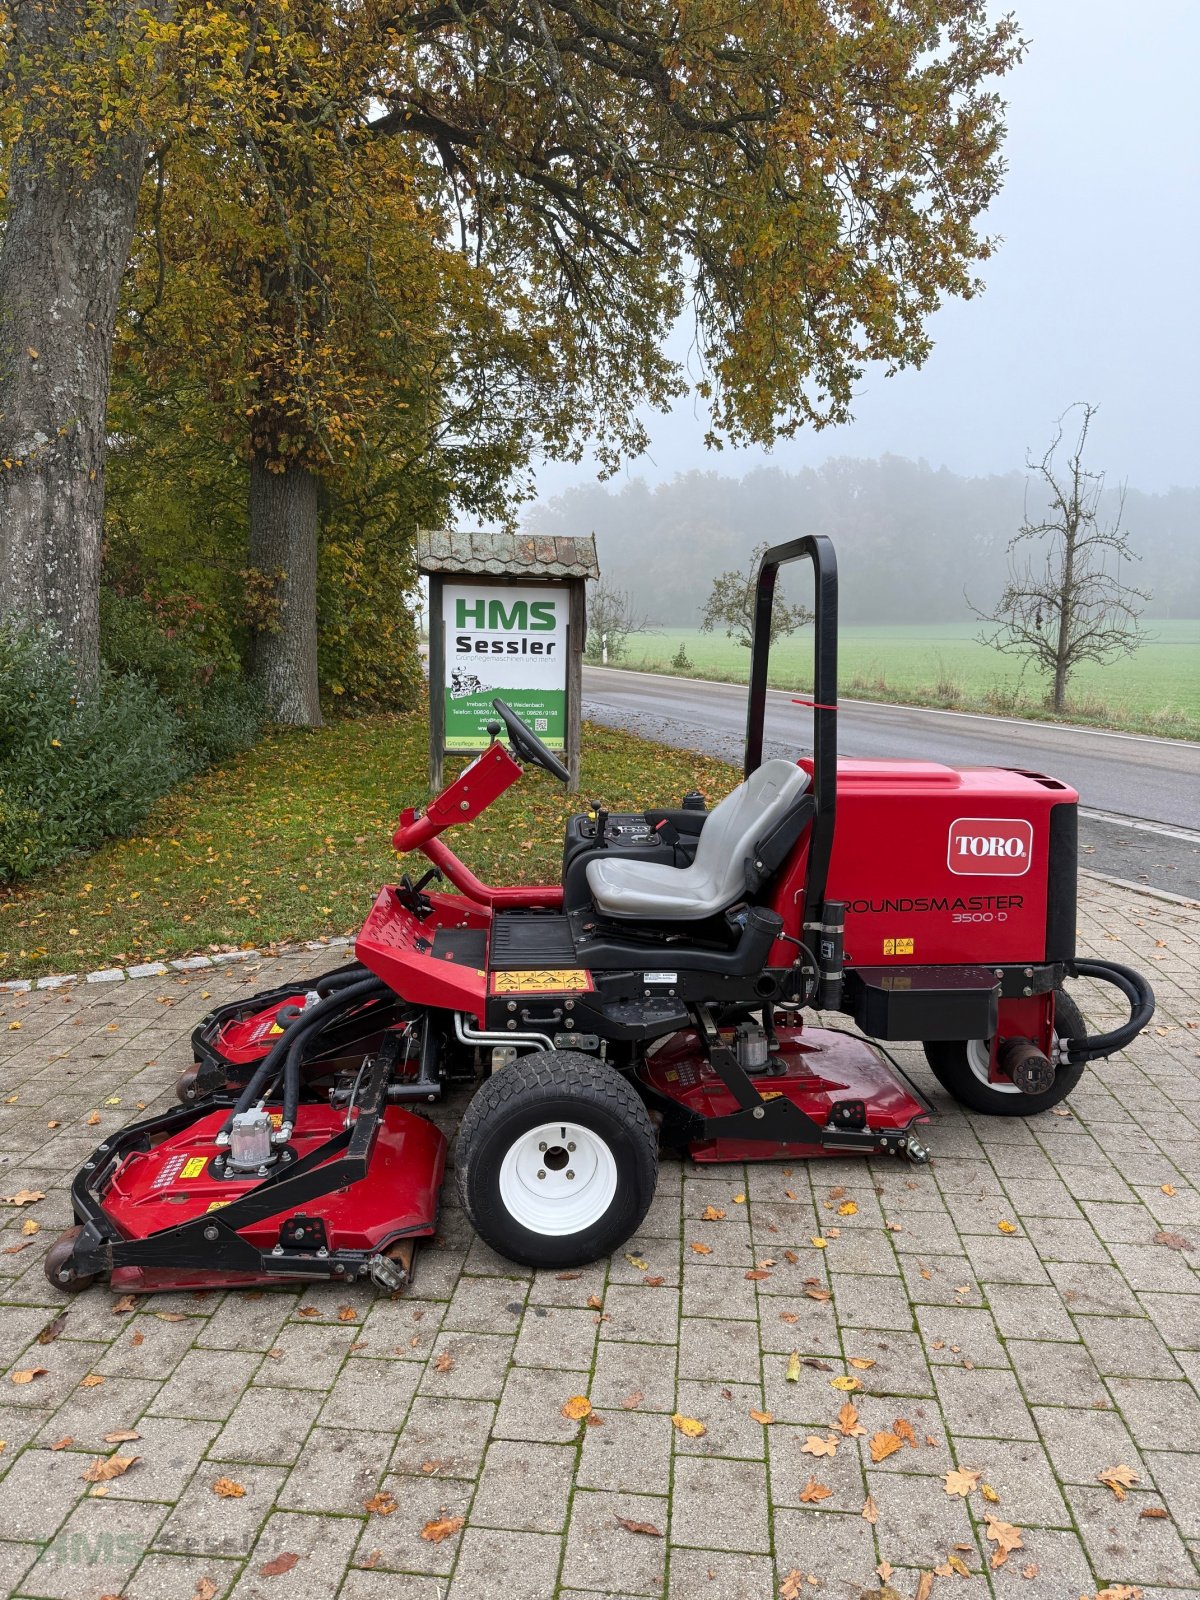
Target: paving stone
(625,1369)
(265,1426)
(486,1305)
(338,1471)
(1177,1318)
(15,1561)
(1159,1414)
(524,1486)
(206,1383)
(323,1544)
(986,1402)
(1057,1374)
(711,1348)
(940,1280)
(791,1470)
(1024,1311)
(631,1451)
(169,1451)
(719,1505)
(718,1291)
(799,1324)
(930,1456)
(205,1523)
(556,1336)
(839,1551)
(451,1433)
(37,1492)
(531,1405)
(158,1349)
(306,1356)
(1082,1443)
(954,1334)
(1061,1563)
(649,1316)
(1177,1476)
(1088,1288)
(163,1577)
(868,1302)
(1124,1546)
(372,1585)
(479,1362)
(918,1521)
(809,1398)
(395,1541)
(94,1551)
(709,1575)
(371,1394)
(506,1566)
(1021,1474)
(998,1259)
(725,1409)
(1129,1347)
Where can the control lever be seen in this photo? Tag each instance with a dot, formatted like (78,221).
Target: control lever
(601,824)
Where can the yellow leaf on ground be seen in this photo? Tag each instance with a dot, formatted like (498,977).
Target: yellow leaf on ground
(793,1367)
(961,1481)
(845,1385)
(689,1426)
(440,1528)
(29,1227)
(739,1199)
(849,1209)
(764,1417)
(1006,1226)
(639,1262)
(702,1249)
(883,1445)
(381,1504)
(814,1491)
(577,1407)
(861,1363)
(227,1489)
(989,1494)
(924,1586)
(105,1468)
(1168,1188)
(814,1445)
(818,1242)
(1118,1479)
(712,1214)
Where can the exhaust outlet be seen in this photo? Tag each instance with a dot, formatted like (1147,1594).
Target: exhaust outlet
(1029,1068)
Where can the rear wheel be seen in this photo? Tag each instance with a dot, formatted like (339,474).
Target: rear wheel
(556,1160)
(961,1067)
(60,1264)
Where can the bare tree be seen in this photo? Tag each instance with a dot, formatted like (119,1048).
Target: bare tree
(731,606)
(1065,600)
(612,617)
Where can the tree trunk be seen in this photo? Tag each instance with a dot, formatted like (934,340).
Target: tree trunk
(1066,607)
(65,245)
(283,547)
(63,250)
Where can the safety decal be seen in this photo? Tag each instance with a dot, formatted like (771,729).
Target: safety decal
(563,980)
(898,947)
(194,1166)
(274,1029)
(215,1205)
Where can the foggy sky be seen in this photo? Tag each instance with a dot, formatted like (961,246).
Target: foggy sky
(1091,295)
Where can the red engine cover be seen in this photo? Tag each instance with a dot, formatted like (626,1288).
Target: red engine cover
(249,1038)
(160,1188)
(823,1065)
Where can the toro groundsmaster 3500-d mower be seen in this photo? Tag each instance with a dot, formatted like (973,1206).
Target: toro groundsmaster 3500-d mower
(655,997)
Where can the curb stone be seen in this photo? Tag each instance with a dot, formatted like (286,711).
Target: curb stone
(162,969)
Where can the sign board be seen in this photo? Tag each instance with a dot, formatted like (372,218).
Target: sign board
(507,640)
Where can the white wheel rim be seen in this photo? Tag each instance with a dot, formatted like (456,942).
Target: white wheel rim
(558,1178)
(979,1059)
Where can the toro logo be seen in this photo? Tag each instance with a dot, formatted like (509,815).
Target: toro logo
(995,847)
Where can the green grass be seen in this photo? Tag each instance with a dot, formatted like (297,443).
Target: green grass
(293,839)
(1157,690)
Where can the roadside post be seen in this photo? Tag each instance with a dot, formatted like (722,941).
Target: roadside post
(507,618)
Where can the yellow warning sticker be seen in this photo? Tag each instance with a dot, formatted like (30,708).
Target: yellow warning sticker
(898,947)
(193,1167)
(215,1205)
(563,980)
(274,1028)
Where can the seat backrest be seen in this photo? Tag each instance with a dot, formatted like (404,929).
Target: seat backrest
(744,817)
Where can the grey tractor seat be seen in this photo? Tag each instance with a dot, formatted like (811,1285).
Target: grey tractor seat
(716,879)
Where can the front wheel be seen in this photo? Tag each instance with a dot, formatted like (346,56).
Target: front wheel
(961,1067)
(556,1160)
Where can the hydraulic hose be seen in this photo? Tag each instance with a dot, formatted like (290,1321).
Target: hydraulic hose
(340,977)
(1093,1047)
(297,1033)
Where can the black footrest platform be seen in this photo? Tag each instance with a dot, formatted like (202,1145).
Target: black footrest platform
(530,939)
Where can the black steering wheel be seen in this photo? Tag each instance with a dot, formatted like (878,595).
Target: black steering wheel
(527,744)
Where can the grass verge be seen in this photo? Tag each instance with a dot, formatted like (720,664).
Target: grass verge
(293,839)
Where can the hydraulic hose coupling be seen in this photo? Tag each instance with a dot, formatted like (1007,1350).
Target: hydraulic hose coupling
(250,1140)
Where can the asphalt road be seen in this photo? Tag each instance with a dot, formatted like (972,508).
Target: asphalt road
(1139,797)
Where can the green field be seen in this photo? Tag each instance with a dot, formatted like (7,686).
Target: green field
(1157,690)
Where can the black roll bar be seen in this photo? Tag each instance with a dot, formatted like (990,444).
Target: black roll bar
(818,549)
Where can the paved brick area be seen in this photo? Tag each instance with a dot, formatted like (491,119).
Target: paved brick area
(1006,1312)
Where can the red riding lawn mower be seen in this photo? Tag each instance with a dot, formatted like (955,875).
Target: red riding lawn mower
(655,997)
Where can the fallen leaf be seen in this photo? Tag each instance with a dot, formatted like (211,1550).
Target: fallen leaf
(848,1210)
(882,1445)
(765,1417)
(23,1197)
(689,1426)
(1120,1591)
(885,1569)
(127,1303)
(712,1214)
(1005,1537)
(61,1444)
(105,1468)
(1118,1479)
(278,1565)
(381,1504)
(1167,1188)
(654,1281)
(444,1362)
(647,1528)
(633,1400)
(861,1363)
(790,1589)
(814,1445)
(1006,1226)
(205,1589)
(52,1330)
(1031,1571)
(847,1423)
(92,1381)
(924,1586)
(594,1302)
(819,1294)
(309,1311)
(136,1338)
(1173,1241)
(639,1262)
(94,1119)
(989,1494)
(347,1314)
(961,1481)
(870,1511)
(576,1408)
(567,1277)
(171,1316)
(793,1367)
(440,1528)
(757,1274)
(813,1492)
(790,1255)
(122,1436)
(845,1385)
(817,1242)
(739,1199)
(227,1489)
(28,1374)
(903,1429)
(702,1249)
(29,1227)
(1153,1512)
(953,1564)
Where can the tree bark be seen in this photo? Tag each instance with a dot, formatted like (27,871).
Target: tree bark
(283,548)
(63,250)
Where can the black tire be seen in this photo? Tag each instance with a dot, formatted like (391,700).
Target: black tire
(59,1265)
(950,1066)
(551,1086)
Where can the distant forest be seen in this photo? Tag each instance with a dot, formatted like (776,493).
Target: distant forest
(910,539)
